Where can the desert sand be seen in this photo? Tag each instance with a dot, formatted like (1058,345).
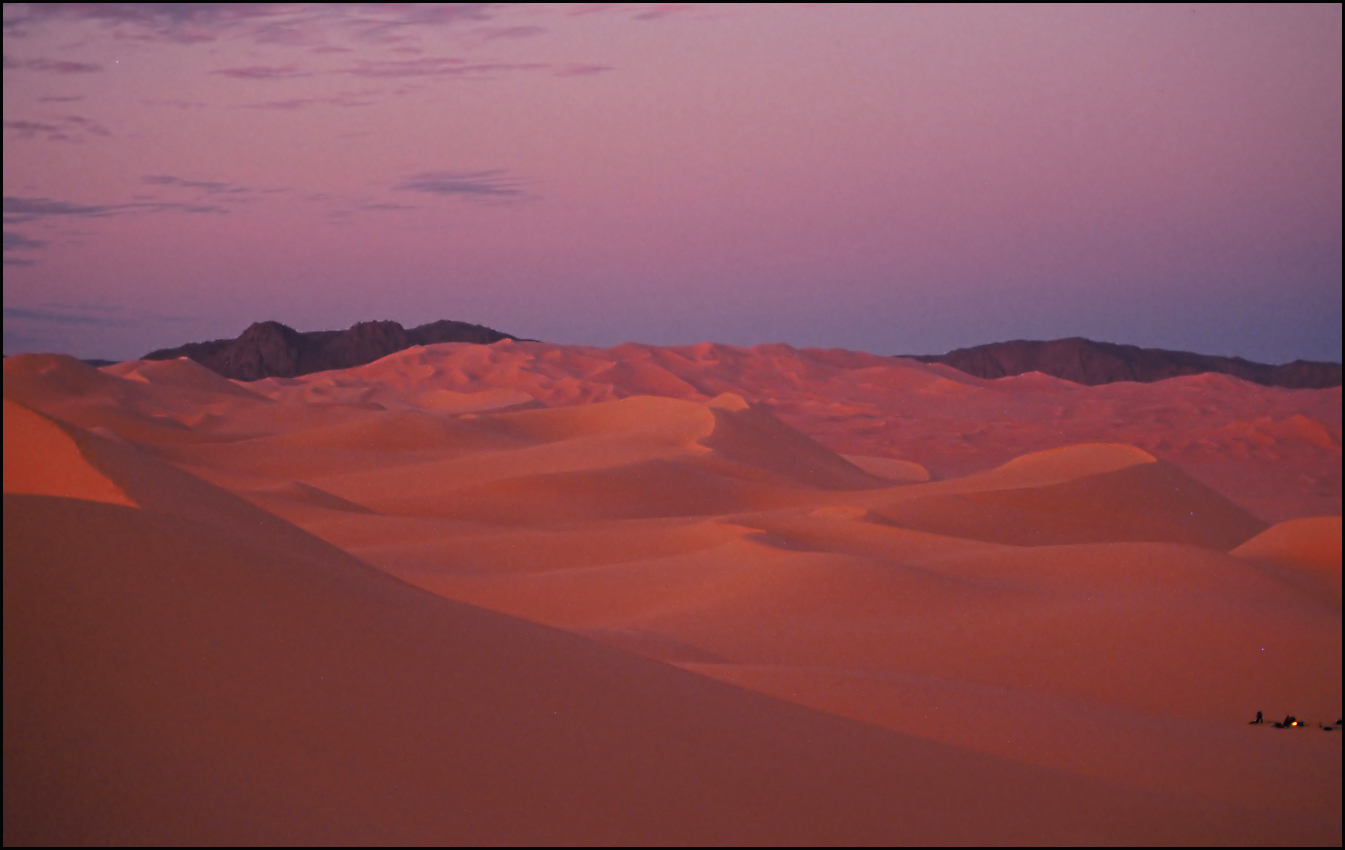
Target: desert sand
(526,592)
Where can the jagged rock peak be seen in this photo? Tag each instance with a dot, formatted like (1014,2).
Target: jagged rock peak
(272,349)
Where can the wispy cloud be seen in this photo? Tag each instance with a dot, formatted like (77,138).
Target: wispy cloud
(390,23)
(523,31)
(88,314)
(21,209)
(285,105)
(480,184)
(29,129)
(184,23)
(55,66)
(17,209)
(435,67)
(17,241)
(62,318)
(590,8)
(214,191)
(263,23)
(304,102)
(176,104)
(318,29)
(67,128)
(211,186)
(263,72)
(579,69)
(662,10)
(386,206)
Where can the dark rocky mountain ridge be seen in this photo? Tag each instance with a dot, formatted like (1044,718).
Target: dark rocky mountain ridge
(273,350)
(1091,363)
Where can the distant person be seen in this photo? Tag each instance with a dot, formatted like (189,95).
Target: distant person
(1258,720)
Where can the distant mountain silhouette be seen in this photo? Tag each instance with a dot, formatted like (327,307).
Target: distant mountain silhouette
(1086,362)
(273,350)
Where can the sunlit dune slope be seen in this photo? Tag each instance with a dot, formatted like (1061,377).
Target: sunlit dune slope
(1310,542)
(43,459)
(1307,549)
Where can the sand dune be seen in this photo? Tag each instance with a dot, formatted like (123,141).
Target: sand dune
(240,694)
(1310,542)
(1273,451)
(42,458)
(1144,502)
(890,468)
(179,374)
(1306,550)
(526,592)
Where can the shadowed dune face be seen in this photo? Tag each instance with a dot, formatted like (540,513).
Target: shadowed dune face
(526,592)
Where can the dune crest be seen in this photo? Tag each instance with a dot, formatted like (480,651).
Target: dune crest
(890,468)
(1055,466)
(1312,542)
(1308,549)
(42,459)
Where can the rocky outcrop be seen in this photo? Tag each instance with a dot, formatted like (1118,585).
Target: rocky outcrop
(273,350)
(1086,362)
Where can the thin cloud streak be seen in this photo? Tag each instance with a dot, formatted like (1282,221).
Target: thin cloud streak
(262,72)
(525,31)
(261,23)
(68,128)
(580,69)
(21,209)
(88,314)
(212,186)
(479,184)
(55,66)
(305,102)
(59,318)
(434,67)
(17,241)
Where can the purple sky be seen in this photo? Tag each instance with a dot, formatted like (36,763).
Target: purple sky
(896,179)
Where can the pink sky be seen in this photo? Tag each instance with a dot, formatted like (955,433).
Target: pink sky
(897,179)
